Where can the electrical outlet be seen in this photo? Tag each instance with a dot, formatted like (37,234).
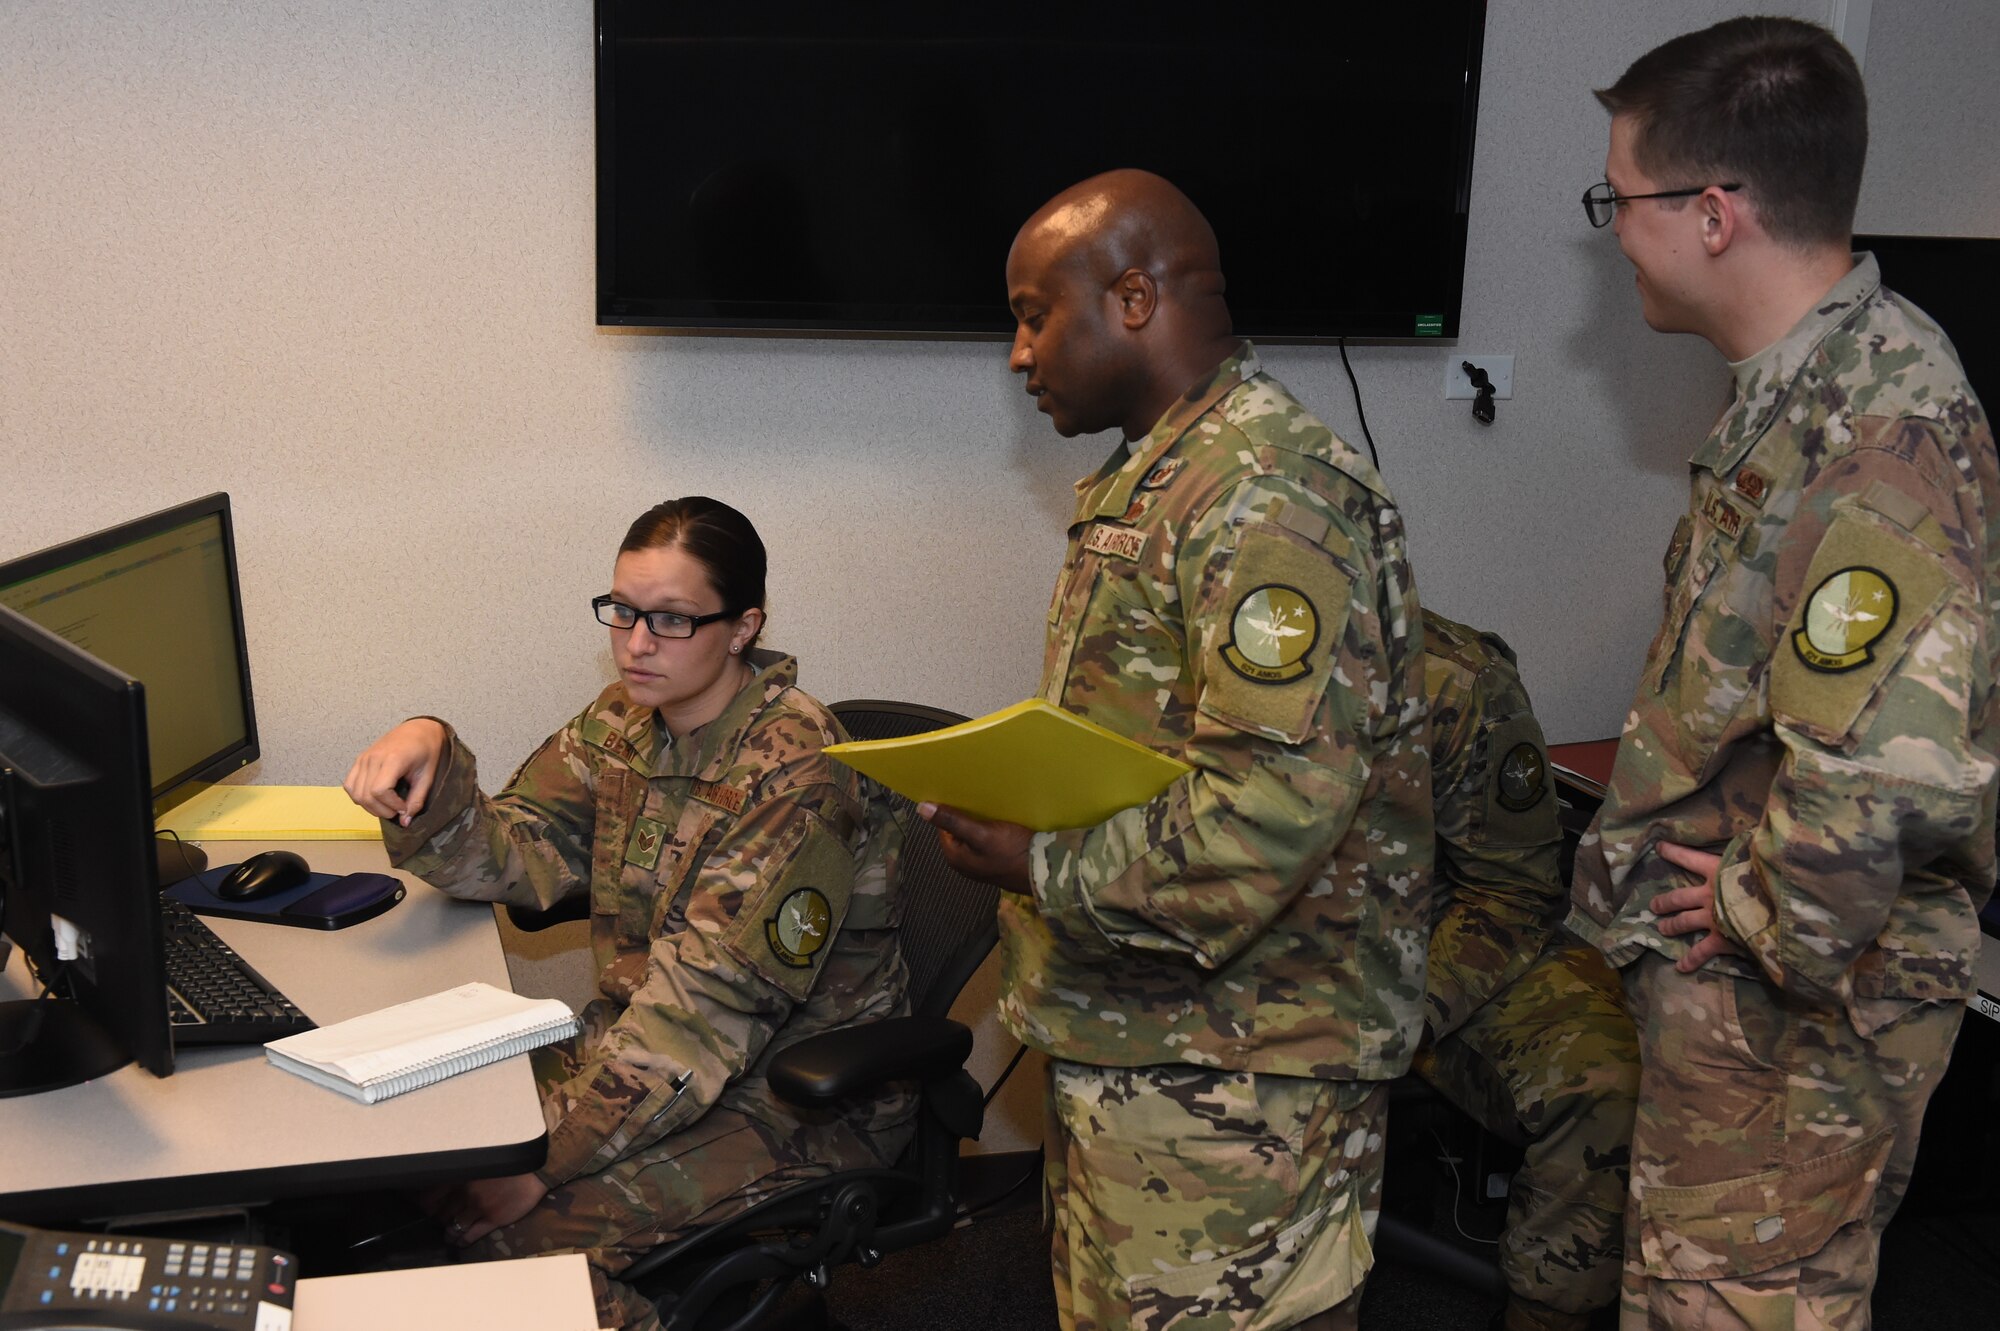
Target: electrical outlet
(1500,369)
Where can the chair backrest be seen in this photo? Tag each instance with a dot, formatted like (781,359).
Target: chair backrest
(949,922)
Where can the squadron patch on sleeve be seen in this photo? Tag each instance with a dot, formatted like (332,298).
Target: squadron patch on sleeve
(800,928)
(1522,778)
(1271,631)
(1844,617)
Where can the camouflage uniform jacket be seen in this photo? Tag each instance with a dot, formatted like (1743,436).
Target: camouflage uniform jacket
(1236,594)
(1818,707)
(1499,892)
(741,898)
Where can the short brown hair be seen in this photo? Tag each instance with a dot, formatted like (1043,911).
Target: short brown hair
(1774,103)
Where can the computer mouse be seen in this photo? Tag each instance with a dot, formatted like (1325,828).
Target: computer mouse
(262,875)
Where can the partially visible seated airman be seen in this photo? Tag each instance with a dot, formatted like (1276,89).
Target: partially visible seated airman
(1525,1026)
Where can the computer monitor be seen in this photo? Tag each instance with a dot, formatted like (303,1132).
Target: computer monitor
(78,891)
(157,598)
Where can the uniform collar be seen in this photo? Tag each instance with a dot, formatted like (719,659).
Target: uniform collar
(1764,381)
(709,753)
(1108,493)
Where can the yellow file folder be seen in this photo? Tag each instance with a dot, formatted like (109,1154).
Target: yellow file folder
(1032,763)
(272,813)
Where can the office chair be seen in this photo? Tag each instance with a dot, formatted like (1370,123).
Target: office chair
(1405,1238)
(734,1274)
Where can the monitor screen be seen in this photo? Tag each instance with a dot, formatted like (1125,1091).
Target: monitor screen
(1956,281)
(77,887)
(809,166)
(157,597)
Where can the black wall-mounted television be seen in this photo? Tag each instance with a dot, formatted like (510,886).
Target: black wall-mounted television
(837,166)
(1956,281)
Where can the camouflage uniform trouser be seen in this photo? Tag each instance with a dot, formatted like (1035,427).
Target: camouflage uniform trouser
(719,1165)
(1774,1142)
(1551,1062)
(1204,1200)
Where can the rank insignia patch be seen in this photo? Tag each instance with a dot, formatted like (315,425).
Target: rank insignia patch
(1524,775)
(1159,476)
(798,931)
(1844,616)
(1270,633)
(644,847)
(1751,485)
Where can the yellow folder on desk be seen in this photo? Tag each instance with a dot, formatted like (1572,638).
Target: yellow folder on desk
(1032,763)
(272,813)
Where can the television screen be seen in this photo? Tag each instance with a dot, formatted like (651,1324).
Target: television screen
(1956,281)
(862,167)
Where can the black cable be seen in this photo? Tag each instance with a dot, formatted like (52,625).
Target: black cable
(1005,1073)
(970,1211)
(1356,386)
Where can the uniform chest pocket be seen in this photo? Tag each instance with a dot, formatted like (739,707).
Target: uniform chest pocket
(1119,641)
(1703,666)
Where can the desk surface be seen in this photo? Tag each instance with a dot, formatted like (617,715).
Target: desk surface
(229,1128)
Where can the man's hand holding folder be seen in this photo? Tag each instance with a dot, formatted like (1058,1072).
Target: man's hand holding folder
(988,852)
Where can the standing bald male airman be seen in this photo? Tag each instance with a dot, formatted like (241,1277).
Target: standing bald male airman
(1799,829)
(1224,978)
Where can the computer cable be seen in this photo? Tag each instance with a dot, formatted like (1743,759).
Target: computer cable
(1355,384)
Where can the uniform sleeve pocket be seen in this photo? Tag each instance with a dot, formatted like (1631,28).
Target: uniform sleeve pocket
(1273,636)
(1870,591)
(1741,1226)
(785,926)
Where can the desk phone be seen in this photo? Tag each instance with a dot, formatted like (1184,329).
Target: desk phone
(51,1280)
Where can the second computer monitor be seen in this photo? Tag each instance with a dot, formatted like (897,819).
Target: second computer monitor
(158,598)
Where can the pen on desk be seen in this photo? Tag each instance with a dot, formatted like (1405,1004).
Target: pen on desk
(395,1231)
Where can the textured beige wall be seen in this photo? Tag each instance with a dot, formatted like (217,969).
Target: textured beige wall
(336,258)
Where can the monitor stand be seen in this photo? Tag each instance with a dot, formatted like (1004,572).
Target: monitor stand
(49,1043)
(175,859)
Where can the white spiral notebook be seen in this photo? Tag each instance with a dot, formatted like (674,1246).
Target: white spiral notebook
(425,1040)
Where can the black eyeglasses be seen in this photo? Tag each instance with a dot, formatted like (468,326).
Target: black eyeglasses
(660,623)
(1600,201)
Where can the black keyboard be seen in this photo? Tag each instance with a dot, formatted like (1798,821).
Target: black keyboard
(213,995)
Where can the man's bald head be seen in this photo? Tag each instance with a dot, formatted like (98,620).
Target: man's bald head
(1131,219)
(1116,284)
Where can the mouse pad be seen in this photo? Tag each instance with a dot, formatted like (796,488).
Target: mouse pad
(323,901)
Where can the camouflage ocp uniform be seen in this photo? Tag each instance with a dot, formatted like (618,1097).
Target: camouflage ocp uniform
(1818,709)
(1245,952)
(1528,1031)
(742,895)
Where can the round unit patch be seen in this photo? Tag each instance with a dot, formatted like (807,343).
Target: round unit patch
(1270,633)
(1524,775)
(1844,617)
(798,931)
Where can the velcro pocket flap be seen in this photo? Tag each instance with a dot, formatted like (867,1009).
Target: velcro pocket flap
(1741,1226)
(1282,613)
(1520,805)
(785,928)
(1871,588)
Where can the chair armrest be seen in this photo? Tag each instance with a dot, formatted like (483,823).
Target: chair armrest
(858,1060)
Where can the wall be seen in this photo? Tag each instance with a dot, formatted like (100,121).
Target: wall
(336,258)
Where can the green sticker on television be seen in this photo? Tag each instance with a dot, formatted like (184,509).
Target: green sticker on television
(1430,325)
